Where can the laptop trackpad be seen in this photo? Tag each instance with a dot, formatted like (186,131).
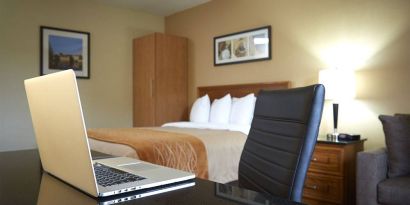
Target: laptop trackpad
(138,167)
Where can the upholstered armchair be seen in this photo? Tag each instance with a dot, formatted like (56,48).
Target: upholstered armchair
(383,175)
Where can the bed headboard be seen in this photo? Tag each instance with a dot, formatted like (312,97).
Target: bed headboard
(240,90)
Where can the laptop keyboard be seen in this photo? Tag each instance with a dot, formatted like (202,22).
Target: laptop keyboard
(108,176)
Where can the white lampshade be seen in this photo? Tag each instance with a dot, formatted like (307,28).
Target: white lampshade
(339,84)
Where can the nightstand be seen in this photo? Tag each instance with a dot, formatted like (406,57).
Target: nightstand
(331,178)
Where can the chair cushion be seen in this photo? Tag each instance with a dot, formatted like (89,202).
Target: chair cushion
(402,115)
(394,190)
(397,132)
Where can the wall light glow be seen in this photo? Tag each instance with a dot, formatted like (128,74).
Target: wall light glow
(346,55)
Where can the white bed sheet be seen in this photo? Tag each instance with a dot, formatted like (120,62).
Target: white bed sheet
(213,126)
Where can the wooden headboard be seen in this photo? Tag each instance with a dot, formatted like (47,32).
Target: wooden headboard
(240,90)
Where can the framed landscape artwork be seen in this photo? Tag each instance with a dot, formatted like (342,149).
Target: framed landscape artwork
(62,49)
(244,46)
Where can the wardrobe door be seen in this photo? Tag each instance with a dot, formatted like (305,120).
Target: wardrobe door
(171,81)
(143,81)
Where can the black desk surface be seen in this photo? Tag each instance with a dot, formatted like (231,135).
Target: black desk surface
(21,176)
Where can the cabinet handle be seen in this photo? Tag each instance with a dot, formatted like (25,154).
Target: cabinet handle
(151,88)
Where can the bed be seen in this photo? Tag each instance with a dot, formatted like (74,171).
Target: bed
(211,153)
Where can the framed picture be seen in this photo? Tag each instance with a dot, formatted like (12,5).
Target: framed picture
(62,49)
(244,46)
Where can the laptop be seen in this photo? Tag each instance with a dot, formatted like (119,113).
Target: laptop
(62,142)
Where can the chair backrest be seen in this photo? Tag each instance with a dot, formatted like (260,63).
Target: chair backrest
(280,143)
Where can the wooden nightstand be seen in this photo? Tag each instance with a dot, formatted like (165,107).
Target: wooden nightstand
(331,178)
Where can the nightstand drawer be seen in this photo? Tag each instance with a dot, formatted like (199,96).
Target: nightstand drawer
(316,202)
(327,160)
(327,188)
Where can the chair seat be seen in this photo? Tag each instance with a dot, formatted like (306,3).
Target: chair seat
(394,190)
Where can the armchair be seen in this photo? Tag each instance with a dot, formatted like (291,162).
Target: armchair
(373,187)
(383,176)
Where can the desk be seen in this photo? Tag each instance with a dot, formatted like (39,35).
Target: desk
(21,176)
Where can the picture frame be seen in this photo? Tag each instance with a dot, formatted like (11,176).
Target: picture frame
(62,49)
(244,46)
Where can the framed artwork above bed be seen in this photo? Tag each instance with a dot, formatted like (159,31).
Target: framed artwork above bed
(244,46)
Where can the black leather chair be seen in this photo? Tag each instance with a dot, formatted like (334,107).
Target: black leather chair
(280,143)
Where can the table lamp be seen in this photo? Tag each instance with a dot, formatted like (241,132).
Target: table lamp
(339,85)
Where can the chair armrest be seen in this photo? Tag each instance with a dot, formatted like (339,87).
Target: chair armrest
(371,169)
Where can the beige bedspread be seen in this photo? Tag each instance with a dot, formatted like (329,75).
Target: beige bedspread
(223,150)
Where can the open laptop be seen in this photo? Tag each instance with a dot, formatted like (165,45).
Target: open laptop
(62,142)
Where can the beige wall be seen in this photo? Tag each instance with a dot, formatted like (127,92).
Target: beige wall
(371,36)
(106,97)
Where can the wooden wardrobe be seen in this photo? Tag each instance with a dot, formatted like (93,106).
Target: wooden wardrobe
(160,80)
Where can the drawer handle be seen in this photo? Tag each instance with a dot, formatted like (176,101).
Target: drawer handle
(314,187)
(324,188)
(326,161)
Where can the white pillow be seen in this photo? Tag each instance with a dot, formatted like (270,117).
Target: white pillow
(200,110)
(220,110)
(242,110)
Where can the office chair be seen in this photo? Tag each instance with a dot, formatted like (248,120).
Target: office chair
(280,143)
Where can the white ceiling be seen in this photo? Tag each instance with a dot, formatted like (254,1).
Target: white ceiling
(157,7)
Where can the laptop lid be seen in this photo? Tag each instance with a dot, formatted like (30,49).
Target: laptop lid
(59,128)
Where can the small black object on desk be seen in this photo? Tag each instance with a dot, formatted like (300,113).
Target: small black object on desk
(331,140)
(348,137)
(343,137)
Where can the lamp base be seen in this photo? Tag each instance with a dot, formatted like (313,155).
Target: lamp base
(332,136)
